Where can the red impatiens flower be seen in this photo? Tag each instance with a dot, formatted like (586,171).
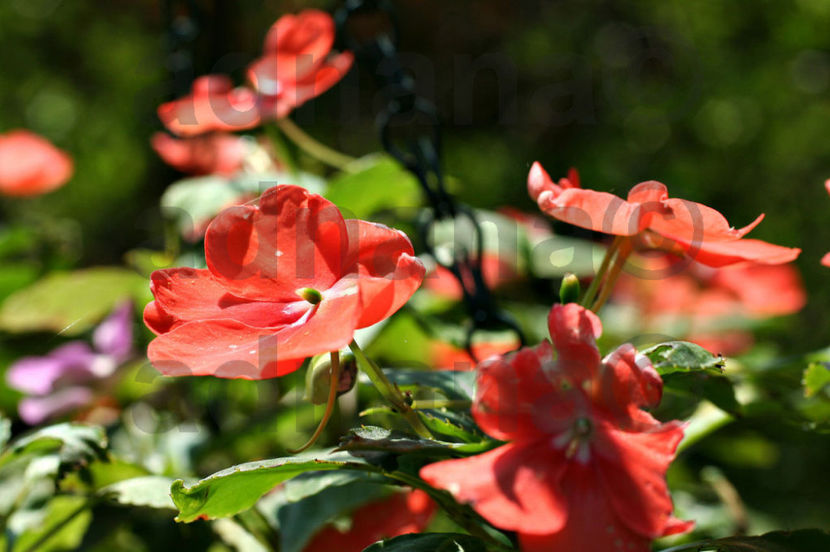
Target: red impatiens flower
(297,64)
(30,165)
(584,468)
(215,153)
(397,515)
(658,221)
(213,104)
(826,259)
(287,279)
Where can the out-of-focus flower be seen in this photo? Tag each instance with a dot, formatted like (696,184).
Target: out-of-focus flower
(286,279)
(496,272)
(397,515)
(31,165)
(704,304)
(212,105)
(61,381)
(658,222)
(446,356)
(297,63)
(584,467)
(215,153)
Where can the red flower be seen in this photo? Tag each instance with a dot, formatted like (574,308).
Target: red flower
(30,165)
(398,515)
(495,271)
(826,259)
(213,104)
(584,468)
(215,153)
(287,279)
(297,64)
(677,225)
(445,356)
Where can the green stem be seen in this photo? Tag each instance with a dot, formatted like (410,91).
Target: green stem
(389,391)
(283,152)
(312,147)
(623,251)
(334,381)
(419,405)
(591,292)
(58,526)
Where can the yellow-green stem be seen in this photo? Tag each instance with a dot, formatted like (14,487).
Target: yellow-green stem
(283,153)
(312,147)
(389,391)
(623,251)
(334,381)
(591,292)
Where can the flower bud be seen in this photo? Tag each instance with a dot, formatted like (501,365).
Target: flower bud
(569,290)
(318,377)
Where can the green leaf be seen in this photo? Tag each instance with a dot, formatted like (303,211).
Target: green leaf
(235,535)
(458,425)
(429,542)
(70,302)
(379,439)
(59,527)
(681,356)
(378,182)
(452,384)
(152,491)
(237,488)
(816,378)
(806,540)
(72,442)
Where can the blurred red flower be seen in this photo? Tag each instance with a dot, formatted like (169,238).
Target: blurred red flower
(397,515)
(659,222)
(584,467)
(297,63)
(446,356)
(287,279)
(707,301)
(495,271)
(215,153)
(31,165)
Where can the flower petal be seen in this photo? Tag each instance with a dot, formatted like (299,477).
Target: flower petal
(514,487)
(31,165)
(187,294)
(35,410)
(632,468)
(114,336)
(39,375)
(292,240)
(722,253)
(627,382)
(389,273)
(597,211)
(689,221)
(574,330)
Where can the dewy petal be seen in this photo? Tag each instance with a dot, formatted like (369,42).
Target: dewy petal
(597,211)
(38,375)
(230,349)
(388,271)
(292,240)
(187,294)
(514,487)
(31,165)
(574,331)
(35,410)
(114,336)
(592,525)
(632,468)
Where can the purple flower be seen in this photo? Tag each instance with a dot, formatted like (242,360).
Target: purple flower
(56,383)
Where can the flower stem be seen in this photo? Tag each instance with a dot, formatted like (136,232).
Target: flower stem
(312,147)
(591,292)
(623,251)
(334,381)
(389,391)
(284,155)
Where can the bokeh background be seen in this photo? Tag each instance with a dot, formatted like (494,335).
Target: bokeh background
(728,103)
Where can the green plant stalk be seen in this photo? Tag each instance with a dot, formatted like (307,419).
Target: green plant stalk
(623,251)
(591,292)
(389,391)
(334,381)
(281,147)
(312,147)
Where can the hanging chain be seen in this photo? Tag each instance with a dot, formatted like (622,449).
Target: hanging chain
(410,131)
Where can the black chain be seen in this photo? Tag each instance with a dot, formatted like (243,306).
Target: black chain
(410,131)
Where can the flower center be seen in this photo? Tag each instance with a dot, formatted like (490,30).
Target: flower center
(577,440)
(310,294)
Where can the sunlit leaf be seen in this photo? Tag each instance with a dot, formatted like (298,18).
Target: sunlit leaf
(378,182)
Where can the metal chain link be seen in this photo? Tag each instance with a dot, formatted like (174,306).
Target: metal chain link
(418,148)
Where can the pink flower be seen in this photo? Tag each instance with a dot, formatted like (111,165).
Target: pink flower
(30,165)
(584,466)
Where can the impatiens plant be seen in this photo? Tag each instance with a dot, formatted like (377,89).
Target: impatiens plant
(341,356)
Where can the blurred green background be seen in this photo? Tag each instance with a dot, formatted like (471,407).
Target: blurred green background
(728,103)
